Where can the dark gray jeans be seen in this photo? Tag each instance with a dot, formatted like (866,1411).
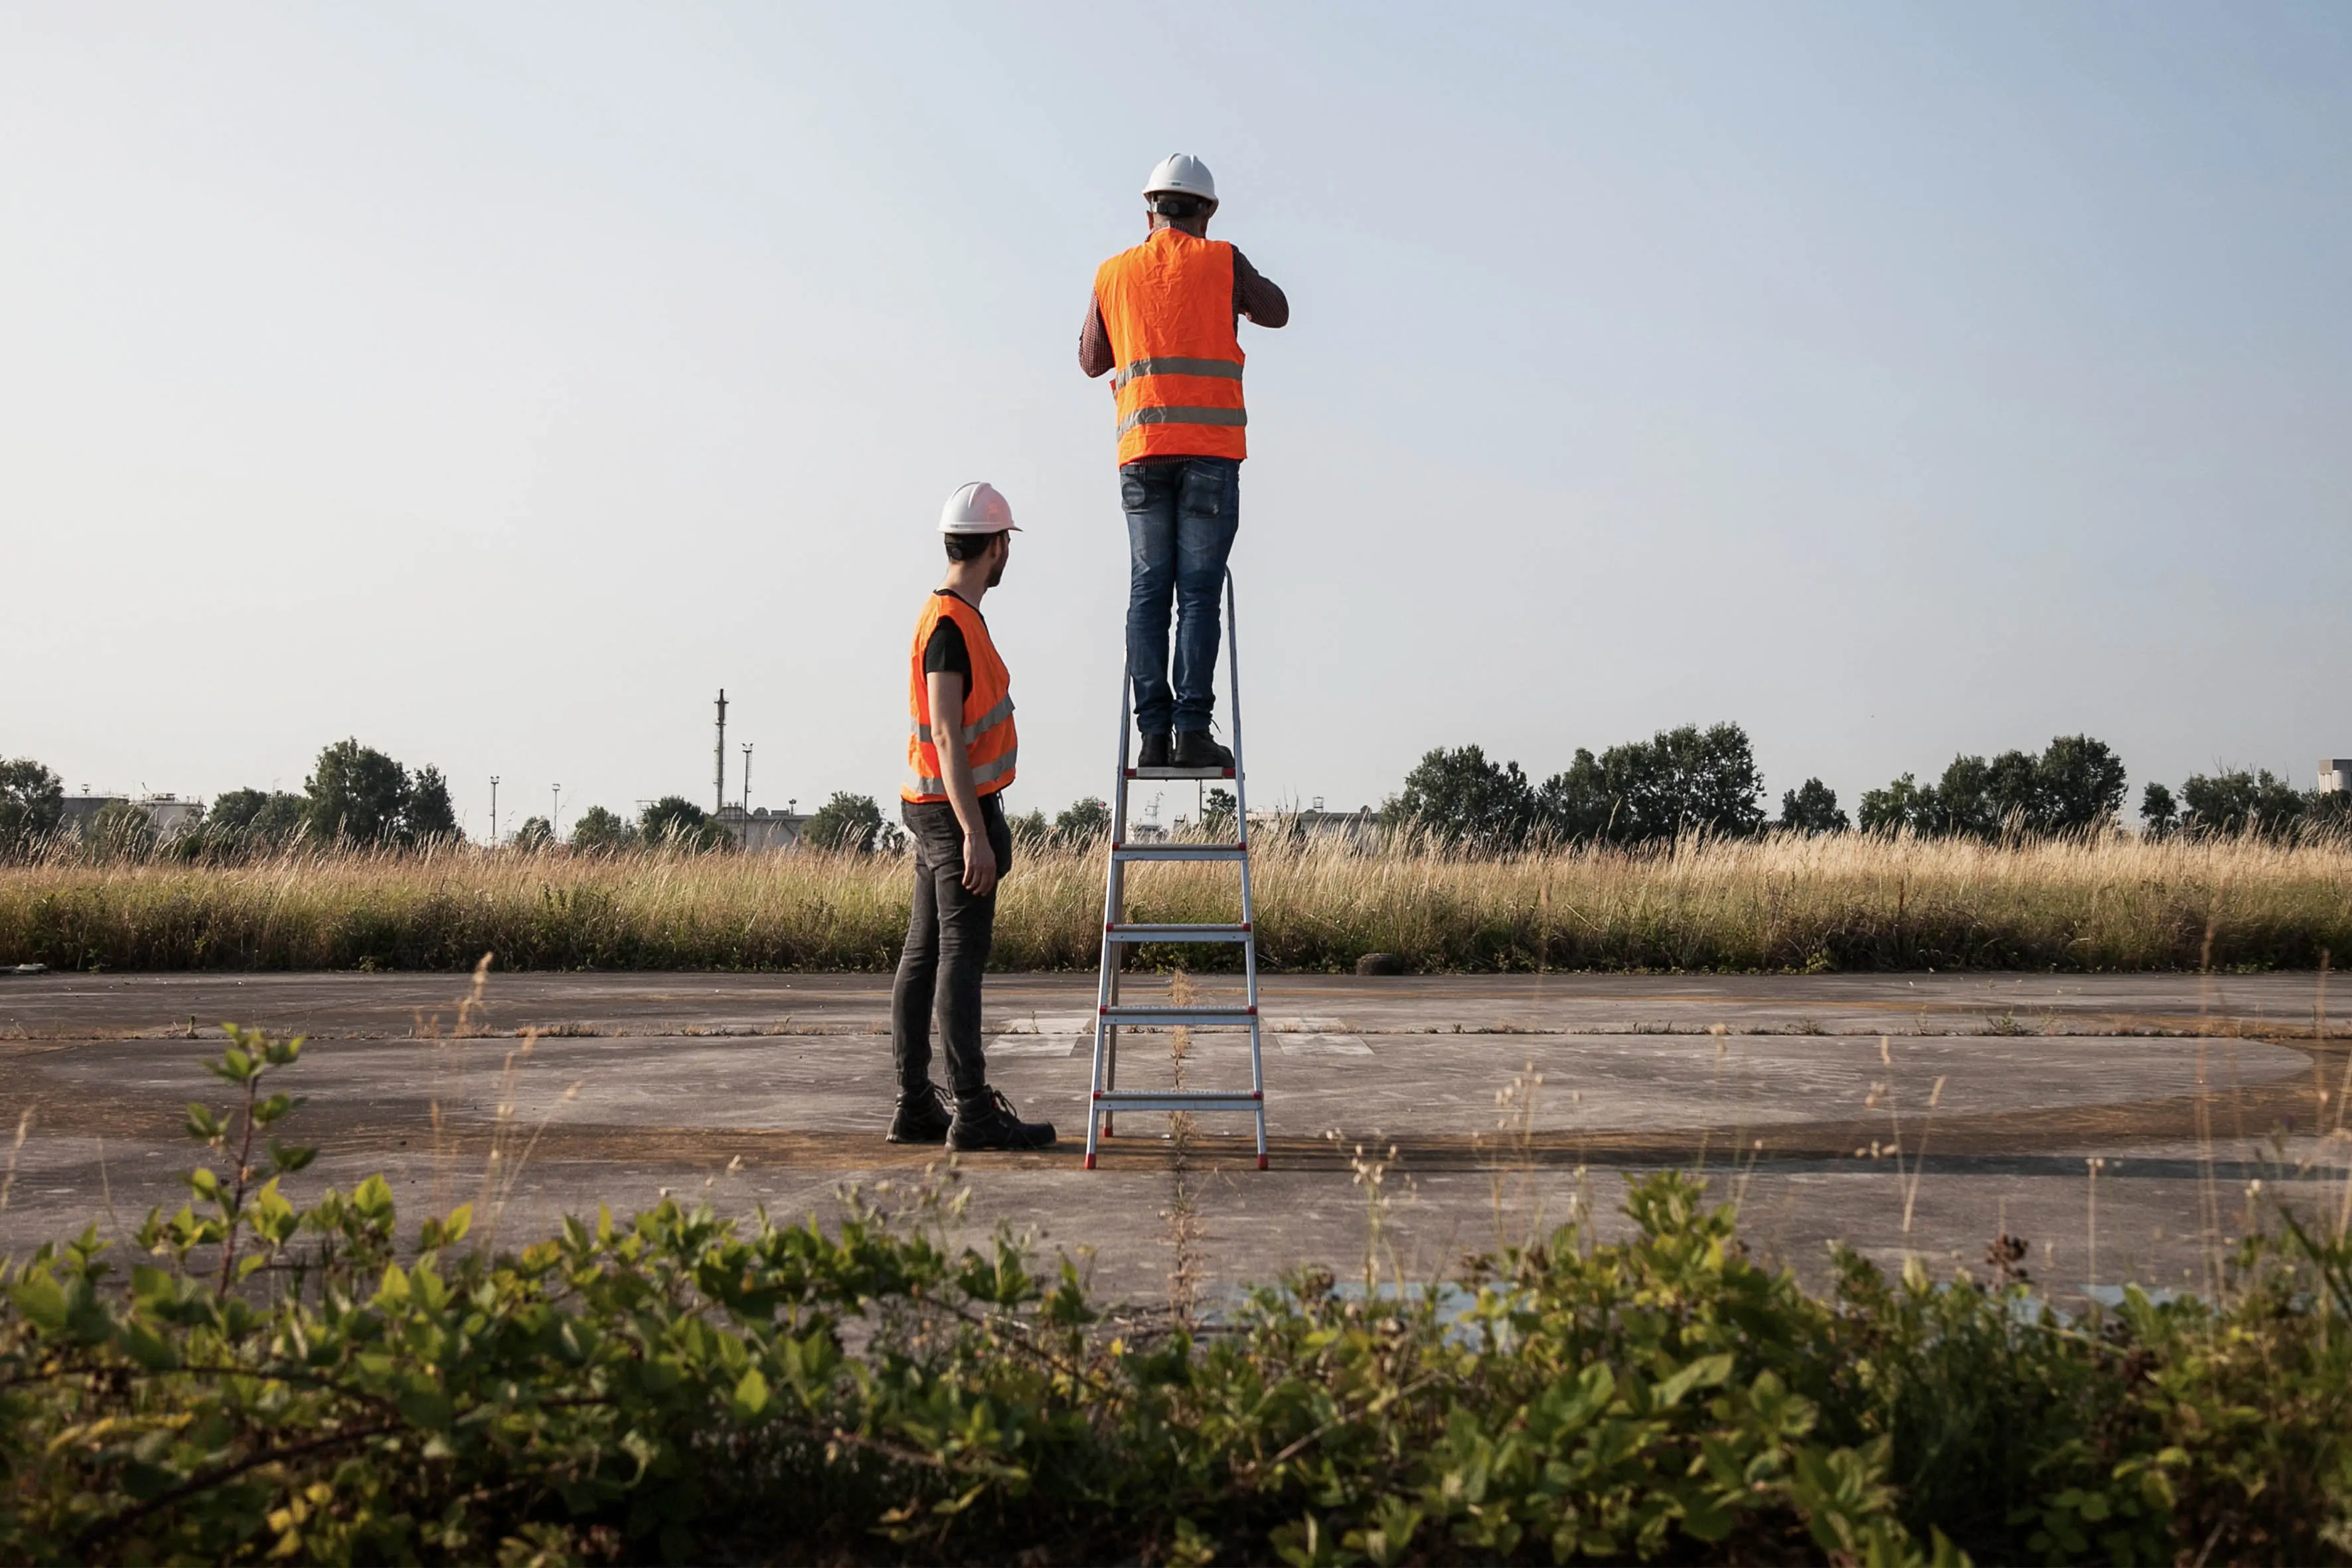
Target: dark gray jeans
(948,940)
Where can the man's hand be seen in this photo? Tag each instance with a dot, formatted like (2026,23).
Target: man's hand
(979,865)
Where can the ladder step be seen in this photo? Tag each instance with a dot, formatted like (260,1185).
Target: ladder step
(1145,931)
(1177,1100)
(1178,1017)
(1180,772)
(1179,851)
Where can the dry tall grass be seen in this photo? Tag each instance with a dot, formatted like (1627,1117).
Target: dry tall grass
(1849,901)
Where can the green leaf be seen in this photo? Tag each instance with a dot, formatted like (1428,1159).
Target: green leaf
(1709,1519)
(42,1300)
(1707,1372)
(151,1286)
(148,1348)
(425,1407)
(373,1199)
(751,1394)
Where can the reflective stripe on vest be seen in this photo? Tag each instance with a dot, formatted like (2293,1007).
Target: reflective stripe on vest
(981,777)
(1222,369)
(1169,414)
(974,731)
(1168,305)
(985,723)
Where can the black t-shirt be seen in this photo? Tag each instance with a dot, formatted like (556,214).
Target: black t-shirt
(947,651)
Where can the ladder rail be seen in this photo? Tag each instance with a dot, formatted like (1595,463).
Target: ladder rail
(1104,1076)
(1241,833)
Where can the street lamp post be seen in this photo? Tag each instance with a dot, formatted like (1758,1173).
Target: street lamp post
(554,809)
(747,778)
(494,811)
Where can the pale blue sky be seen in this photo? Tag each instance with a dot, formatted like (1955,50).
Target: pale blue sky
(494,382)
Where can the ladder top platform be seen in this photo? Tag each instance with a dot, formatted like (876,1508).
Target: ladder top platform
(1180,772)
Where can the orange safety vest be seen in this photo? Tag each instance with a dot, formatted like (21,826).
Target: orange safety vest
(989,741)
(1168,306)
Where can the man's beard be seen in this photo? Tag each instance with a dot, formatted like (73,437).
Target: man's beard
(997,575)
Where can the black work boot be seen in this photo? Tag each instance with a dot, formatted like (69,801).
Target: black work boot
(1199,749)
(1157,749)
(922,1116)
(986,1121)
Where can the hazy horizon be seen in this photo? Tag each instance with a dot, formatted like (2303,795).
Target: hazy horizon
(494,385)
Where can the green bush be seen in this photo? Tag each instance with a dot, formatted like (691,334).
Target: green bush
(292,1381)
(1813,807)
(1651,792)
(244,822)
(1643,792)
(1457,796)
(2238,800)
(1082,822)
(847,821)
(32,805)
(676,823)
(356,794)
(2074,785)
(601,831)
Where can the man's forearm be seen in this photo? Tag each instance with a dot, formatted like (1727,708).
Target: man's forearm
(1257,296)
(1095,356)
(947,740)
(956,767)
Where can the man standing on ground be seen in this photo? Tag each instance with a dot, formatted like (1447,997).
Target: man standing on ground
(1164,318)
(960,749)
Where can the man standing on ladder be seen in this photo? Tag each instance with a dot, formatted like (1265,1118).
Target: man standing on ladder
(1164,320)
(960,750)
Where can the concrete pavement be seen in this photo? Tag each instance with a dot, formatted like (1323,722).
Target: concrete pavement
(1908,1114)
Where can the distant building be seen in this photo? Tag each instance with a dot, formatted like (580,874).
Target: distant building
(2335,775)
(762,829)
(170,816)
(1358,829)
(80,808)
(167,814)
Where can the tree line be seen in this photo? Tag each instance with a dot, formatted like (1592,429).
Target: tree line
(357,796)
(354,795)
(1690,780)
(849,821)
(1679,781)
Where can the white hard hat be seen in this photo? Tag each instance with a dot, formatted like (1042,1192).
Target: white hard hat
(1182,174)
(977,508)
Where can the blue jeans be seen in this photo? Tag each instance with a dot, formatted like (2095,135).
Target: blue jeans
(1180,519)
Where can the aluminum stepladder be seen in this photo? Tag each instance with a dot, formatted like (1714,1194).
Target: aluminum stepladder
(1120,933)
